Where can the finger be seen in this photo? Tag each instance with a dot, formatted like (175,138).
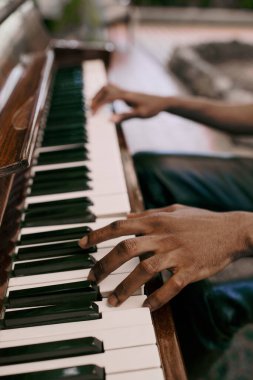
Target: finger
(169,290)
(100,100)
(152,211)
(140,275)
(120,254)
(145,213)
(100,94)
(116,229)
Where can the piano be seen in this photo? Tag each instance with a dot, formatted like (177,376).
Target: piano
(63,172)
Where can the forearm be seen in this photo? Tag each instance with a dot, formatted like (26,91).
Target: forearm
(244,222)
(230,118)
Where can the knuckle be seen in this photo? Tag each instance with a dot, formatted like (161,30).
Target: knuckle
(149,267)
(178,284)
(175,207)
(157,301)
(158,220)
(143,111)
(91,237)
(121,292)
(127,247)
(98,269)
(95,236)
(117,225)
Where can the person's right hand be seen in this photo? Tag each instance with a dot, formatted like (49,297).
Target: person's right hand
(192,243)
(142,105)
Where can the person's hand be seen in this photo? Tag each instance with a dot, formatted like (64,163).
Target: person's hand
(192,243)
(142,105)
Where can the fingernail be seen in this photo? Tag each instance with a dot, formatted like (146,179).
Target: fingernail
(113,300)
(91,276)
(82,242)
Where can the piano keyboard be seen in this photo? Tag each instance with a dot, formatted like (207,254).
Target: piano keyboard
(57,324)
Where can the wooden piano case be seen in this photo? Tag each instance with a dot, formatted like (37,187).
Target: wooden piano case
(27,65)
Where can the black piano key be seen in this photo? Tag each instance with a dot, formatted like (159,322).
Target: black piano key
(64,127)
(81,216)
(68,173)
(58,187)
(64,139)
(67,312)
(60,264)
(87,372)
(53,135)
(62,156)
(68,211)
(68,115)
(54,210)
(52,250)
(56,141)
(65,87)
(53,236)
(55,131)
(57,210)
(50,350)
(73,104)
(64,203)
(73,292)
(63,178)
(66,112)
(70,107)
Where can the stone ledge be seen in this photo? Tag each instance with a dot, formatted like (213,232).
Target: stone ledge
(195,66)
(191,15)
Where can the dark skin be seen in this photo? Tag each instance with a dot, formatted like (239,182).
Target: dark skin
(193,243)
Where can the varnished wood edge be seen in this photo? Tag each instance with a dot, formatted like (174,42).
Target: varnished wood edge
(5,189)
(38,115)
(168,345)
(34,120)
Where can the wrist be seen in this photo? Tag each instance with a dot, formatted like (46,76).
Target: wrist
(244,225)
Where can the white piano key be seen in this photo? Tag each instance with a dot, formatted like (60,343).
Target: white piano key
(110,320)
(113,339)
(133,302)
(44,149)
(147,374)
(115,361)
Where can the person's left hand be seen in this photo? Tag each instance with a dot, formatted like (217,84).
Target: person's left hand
(193,243)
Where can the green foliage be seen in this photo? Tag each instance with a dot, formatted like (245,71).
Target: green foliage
(72,16)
